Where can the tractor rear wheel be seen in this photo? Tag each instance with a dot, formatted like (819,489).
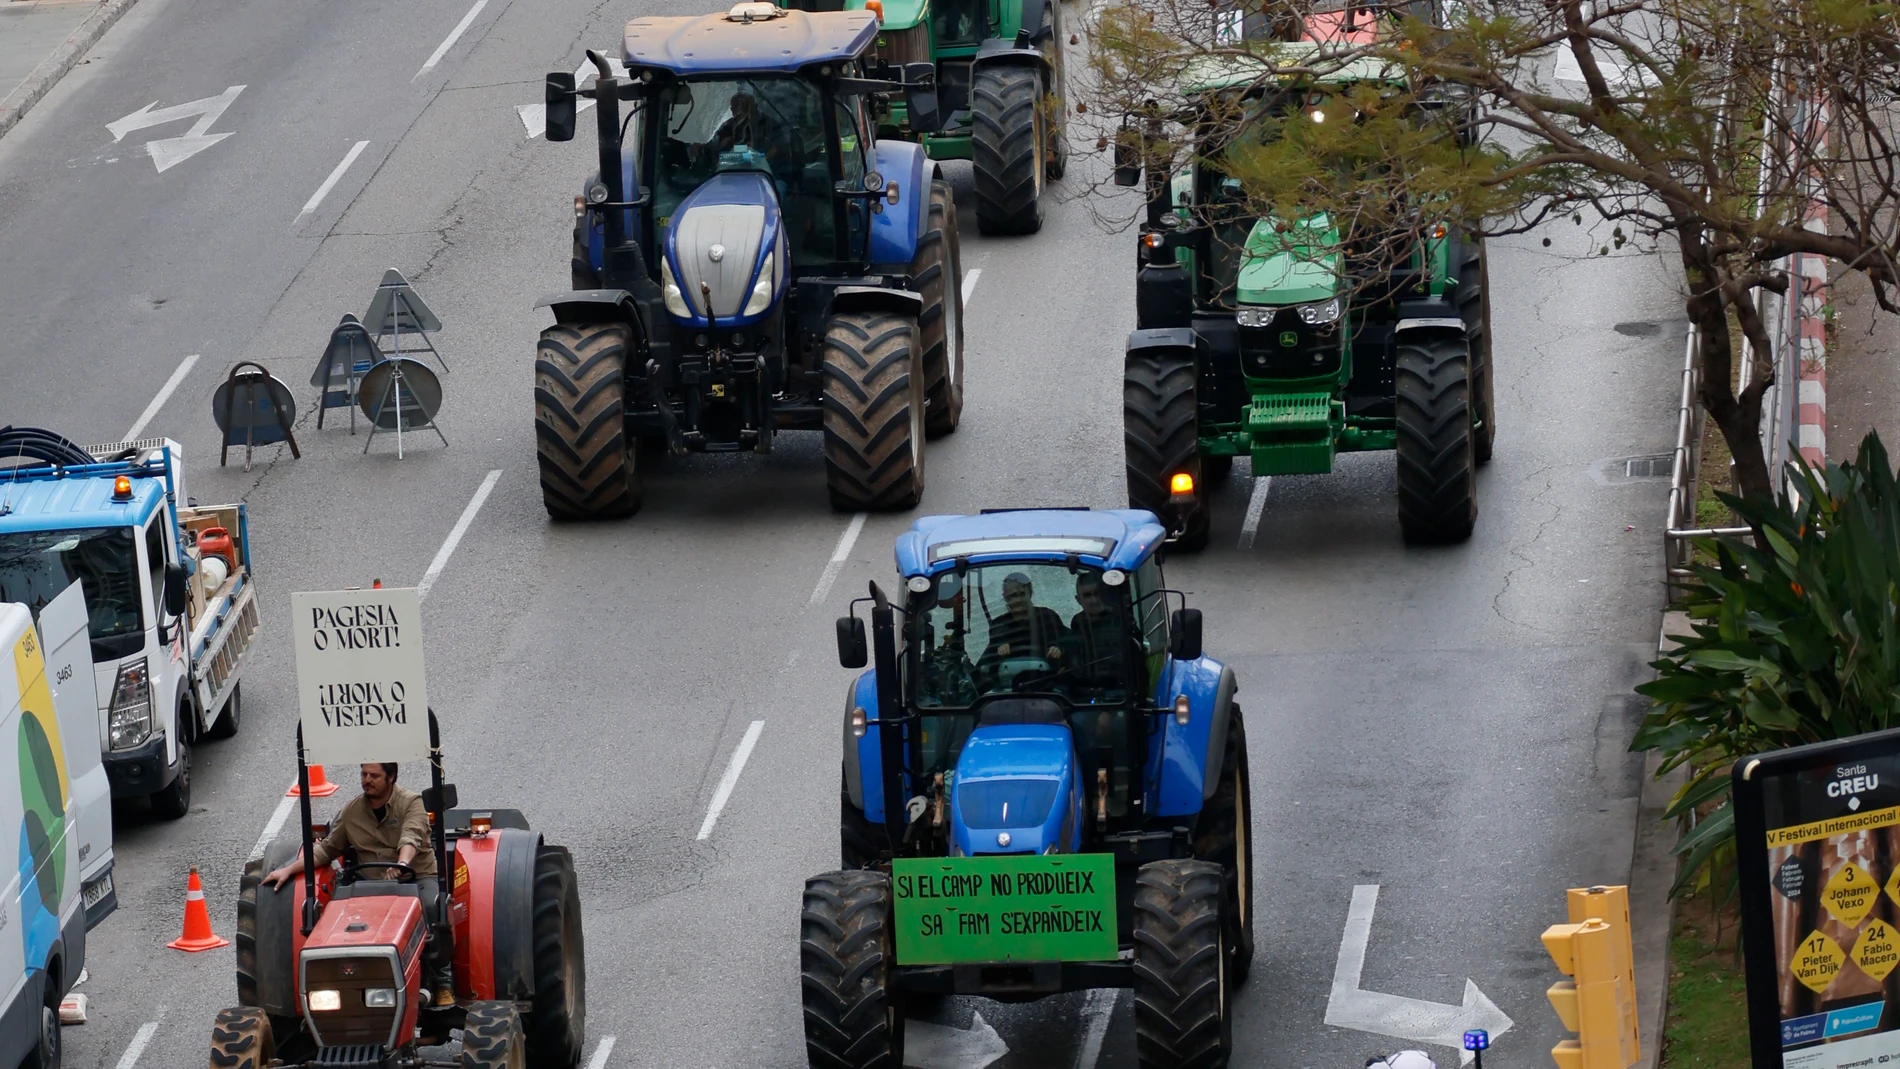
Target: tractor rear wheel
(491,1037)
(1161,439)
(1181,1014)
(1438,500)
(858,839)
(557,1025)
(937,272)
(1056,105)
(1008,147)
(1474,307)
(242,1038)
(1225,837)
(261,943)
(854,1016)
(587,460)
(874,412)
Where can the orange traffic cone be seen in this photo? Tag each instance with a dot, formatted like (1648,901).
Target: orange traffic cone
(198,935)
(320,787)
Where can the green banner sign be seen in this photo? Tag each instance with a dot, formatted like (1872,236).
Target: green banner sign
(1021,907)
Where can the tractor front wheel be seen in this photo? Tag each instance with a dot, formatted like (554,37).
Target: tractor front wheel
(557,1025)
(1474,307)
(587,460)
(937,272)
(1008,147)
(854,1016)
(1225,837)
(1438,491)
(241,1038)
(491,1037)
(874,412)
(1161,439)
(1182,1019)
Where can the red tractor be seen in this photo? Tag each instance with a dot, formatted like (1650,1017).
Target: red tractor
(331,967)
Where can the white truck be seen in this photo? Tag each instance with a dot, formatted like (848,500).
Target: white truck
(168,591)
(55,821)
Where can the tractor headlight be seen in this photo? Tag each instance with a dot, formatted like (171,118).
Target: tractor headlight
(130,719)
(1256,316)
(380,998)
(675,300)
(326,999)
(1320,313)
(761,298)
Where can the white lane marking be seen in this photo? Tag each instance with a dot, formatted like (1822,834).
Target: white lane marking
(449,41)
(1255,506)
(442,555)
(838,555)
(140,1040)
(969,282)
(270,830)
(164,394)
(723,792)
(1098,1008)
(330,182)
(600,1053)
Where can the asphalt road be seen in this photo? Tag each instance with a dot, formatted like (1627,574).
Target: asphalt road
(1447,724)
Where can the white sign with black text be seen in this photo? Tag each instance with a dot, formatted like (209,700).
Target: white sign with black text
(361,690)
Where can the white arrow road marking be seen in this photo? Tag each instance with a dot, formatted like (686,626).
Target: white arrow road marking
(535,116)
(1392,1015)
(168,152)
(939,1046)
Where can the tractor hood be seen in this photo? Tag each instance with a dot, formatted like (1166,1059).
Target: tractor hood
(1015,787)
(725,242)
(1296,266)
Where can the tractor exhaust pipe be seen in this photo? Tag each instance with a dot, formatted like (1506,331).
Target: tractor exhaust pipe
(607,123)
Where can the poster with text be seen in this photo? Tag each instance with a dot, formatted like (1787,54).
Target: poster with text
(361,691)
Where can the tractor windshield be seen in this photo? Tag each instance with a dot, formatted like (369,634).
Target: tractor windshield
(1222,203)
(774,125)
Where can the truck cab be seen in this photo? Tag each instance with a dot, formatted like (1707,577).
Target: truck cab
(167,652)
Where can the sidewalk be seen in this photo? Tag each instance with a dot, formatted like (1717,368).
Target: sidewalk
(40,40)
(1863,370)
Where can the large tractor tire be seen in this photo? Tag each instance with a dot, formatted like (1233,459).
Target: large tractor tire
(1056,104)
(1225,837)
(874,412)
(860,842)
(1009,147)
(1474,307)
(266,974)
(557,1024)
(491,1037)
(1182,1020)
(1161,438)
(242,1038)
(854,1015)
(937,272)
(1438,500)
(588,462)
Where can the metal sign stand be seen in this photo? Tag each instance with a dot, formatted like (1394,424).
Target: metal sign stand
(397,308)
(397,390)
(249,394)
(346,341)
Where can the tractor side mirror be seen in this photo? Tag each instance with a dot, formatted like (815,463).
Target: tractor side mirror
(853,651)
(1186,644)
(177,589)
(920,98)
(1127,159)
(560,100)
(440,799)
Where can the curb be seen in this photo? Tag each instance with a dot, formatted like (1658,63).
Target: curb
(63,59)
(1652,870)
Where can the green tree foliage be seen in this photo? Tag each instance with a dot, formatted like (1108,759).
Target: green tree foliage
(1796,639)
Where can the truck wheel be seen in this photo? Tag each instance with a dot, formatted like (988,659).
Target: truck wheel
(1225,837)
(491,1037)
(937,272)
(1474,307)
(1161,438)
(1008,147)
(45,1052)
(874,412)
(854,1018)
(557,1027)
(174,800)
(860,843)
(241,1038)
(226,725)
(588,466)
(581,266)
(1438,500)
(1181,1015)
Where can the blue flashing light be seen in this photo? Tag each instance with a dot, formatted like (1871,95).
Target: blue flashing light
(1477,1039)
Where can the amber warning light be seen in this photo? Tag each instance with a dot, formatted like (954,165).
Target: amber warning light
(122,488)
(1181,485)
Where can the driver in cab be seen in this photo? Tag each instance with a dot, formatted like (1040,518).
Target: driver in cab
(1025,629)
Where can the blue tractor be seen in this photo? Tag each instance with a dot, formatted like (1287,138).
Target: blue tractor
(749,259)
(1044,789)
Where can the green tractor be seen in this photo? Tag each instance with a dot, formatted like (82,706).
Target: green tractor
(1288,341)
(1000,93)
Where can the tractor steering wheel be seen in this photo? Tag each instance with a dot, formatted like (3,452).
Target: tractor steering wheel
(404,873)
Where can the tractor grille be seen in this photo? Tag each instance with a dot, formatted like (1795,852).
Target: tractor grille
(363,1055)
(1289,349)
(902,46)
